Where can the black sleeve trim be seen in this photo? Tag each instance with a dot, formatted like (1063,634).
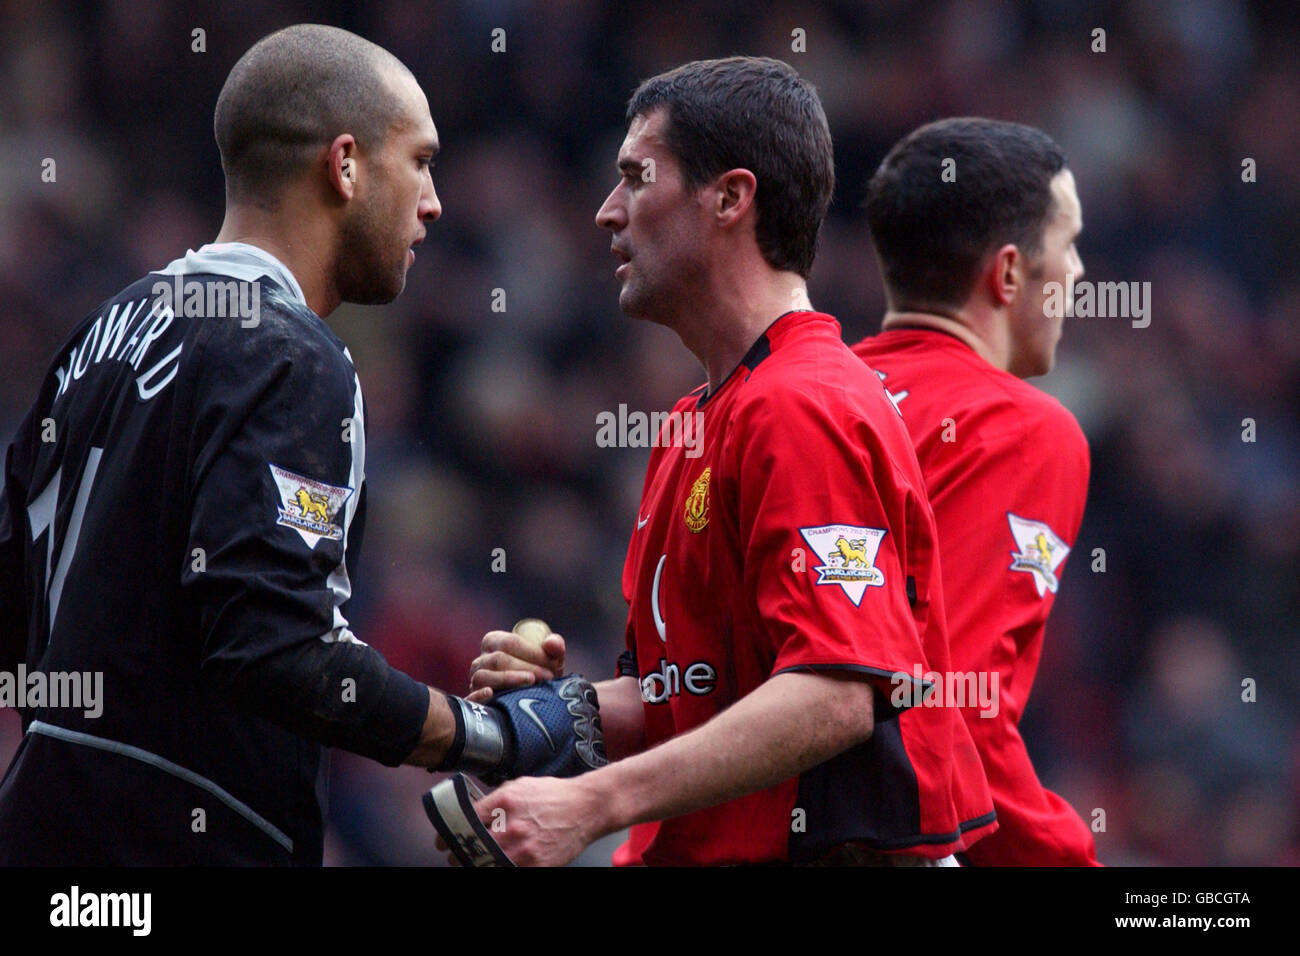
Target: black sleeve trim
(883,704)
(626,666)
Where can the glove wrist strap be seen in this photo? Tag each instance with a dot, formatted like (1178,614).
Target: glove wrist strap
(483,750)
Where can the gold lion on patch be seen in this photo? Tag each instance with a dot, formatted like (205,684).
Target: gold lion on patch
(852,551)
(313,505)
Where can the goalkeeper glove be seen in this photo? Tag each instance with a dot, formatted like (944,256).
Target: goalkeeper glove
(546,730)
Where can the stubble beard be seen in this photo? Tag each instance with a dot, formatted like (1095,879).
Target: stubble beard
(367,275)
(662,297)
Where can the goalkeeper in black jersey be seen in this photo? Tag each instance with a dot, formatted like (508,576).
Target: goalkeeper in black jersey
(182,508)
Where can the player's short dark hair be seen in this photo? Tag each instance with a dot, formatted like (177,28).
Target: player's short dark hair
(291,94)
(752,113)
(932,232)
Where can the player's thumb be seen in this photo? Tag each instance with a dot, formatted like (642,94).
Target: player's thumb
(554,648)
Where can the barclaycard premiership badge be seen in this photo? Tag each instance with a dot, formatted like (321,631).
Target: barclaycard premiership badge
(1041,552)
(312,508)
(848,555)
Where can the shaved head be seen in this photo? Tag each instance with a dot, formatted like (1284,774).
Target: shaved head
(290,95)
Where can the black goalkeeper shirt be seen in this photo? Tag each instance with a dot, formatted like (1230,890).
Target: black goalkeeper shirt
(182,512)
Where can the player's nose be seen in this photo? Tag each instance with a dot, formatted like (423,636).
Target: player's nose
(430,206)
(611,214)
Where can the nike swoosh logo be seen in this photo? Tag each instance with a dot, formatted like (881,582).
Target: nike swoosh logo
(641,522)
(527,705)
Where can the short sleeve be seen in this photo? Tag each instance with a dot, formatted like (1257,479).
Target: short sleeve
(1022,493)
(820,523)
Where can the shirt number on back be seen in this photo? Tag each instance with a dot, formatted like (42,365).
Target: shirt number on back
(40,514)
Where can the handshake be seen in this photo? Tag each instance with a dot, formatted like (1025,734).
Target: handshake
(549,729)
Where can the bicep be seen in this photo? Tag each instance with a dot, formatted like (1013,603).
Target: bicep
(843,700)
(622,716)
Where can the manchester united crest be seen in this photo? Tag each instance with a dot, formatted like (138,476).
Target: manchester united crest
(697,503)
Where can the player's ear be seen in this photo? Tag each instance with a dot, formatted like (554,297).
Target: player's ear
(1006,274)
(343,165)
(735,190)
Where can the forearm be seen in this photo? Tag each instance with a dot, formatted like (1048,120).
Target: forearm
(437,734)
(622,716)
(338,694)
(790,724)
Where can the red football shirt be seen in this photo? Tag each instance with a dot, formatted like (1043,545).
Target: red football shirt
(1006,466)
(792,532)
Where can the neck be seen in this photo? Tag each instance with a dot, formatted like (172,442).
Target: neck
(738,313)
(298,246)
(987,339)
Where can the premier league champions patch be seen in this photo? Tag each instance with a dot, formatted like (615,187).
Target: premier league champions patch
(312,508)
(1040,553)
(848,555)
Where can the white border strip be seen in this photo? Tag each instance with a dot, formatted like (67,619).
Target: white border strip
(176,770)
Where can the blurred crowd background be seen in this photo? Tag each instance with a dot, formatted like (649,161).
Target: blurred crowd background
(482,423)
